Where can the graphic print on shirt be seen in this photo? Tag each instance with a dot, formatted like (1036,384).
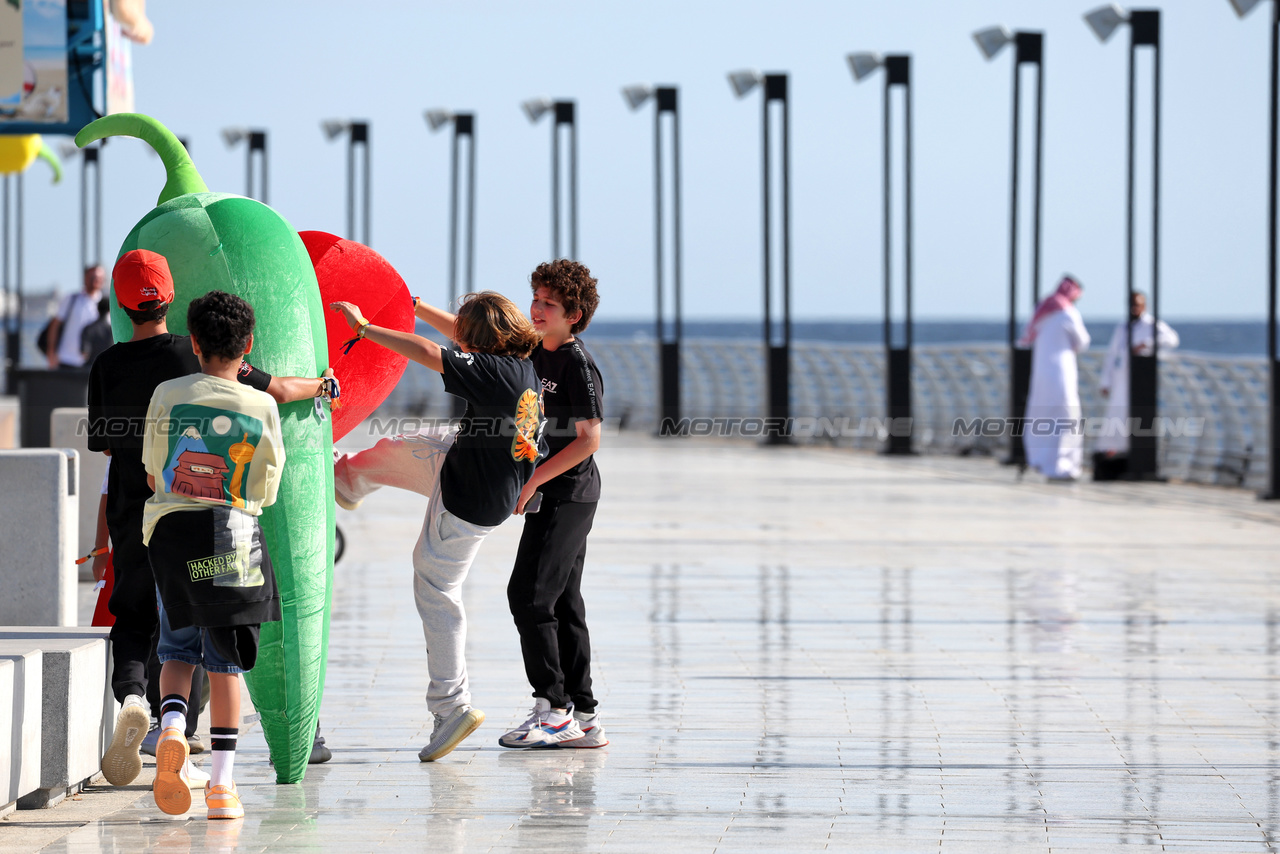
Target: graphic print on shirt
(524,445)
(210,453)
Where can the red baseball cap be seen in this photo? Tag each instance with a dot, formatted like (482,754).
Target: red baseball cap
(141,276)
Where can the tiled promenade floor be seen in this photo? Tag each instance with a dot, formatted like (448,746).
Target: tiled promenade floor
(815,650)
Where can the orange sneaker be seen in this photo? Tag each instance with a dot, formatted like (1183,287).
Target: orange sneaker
(172,788)
(223,801)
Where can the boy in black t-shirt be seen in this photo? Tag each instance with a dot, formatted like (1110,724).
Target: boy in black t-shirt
(545,591)
(121,382)
(473,481)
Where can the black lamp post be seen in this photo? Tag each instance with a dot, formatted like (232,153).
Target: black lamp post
(357,135)
(897,69)
(668,333)
(777,337)
(1028,50)
(1272,491)
(563,112)
(464,126)
(1144,30)
(256,149)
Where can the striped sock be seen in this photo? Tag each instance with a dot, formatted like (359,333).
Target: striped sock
(173,712)
(223,741)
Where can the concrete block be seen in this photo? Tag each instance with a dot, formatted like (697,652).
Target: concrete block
(21,708)
(77,709)
(39,507)
(9,422)
(69,428)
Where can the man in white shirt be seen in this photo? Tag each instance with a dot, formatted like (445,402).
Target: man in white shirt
(1114,441)
(75,312)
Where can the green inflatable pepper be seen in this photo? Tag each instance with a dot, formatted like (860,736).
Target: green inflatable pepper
(219,241)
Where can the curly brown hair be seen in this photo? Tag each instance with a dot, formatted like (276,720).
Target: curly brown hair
(573,284)
(488,322)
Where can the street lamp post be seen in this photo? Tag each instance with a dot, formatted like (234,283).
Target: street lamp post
(897,69)
(1028,50)
(563,114)
(777,336)
(357,136)
(1272,491)
(668,333)
(256,145)
(1144,31)
(12,226)
(464,125)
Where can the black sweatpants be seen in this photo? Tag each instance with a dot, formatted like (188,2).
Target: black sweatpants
(135,667)
(545,595)
(133,604)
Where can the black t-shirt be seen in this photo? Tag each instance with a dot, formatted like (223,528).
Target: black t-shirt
(572,391)
(121,383)
(499,440)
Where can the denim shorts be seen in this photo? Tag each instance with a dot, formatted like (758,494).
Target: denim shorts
(218,650)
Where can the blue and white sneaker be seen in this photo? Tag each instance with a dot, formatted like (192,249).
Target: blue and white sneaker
(544,728)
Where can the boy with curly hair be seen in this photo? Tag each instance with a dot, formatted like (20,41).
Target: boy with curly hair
(213,452)
(545,590)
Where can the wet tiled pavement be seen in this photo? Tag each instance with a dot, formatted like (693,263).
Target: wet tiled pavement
(806,649)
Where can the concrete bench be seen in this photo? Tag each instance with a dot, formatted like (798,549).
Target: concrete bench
(69,428)
(39,507)
(21,703)
(77,709)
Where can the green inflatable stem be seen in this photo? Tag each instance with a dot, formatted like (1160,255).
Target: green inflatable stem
(181,172)
(46,154)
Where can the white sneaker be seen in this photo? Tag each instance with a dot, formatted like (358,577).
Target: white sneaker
(196,777)
(544,728)
(592,731)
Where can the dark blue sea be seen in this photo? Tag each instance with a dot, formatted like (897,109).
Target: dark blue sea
(1223,337)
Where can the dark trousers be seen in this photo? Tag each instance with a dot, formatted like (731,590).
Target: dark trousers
(135,667)
(133,604)
(545,595)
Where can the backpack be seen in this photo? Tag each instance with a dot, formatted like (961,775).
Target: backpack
(43,341)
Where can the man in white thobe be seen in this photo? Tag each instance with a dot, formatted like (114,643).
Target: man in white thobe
(1053,432)
(1115,373)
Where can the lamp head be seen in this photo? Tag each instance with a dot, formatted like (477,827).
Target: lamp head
(333,128)
(1104,20)
(863,63)
(438,118)
(637,94)
(992,40)
(1244,7)
(535,108)
(233,135)
(744,81)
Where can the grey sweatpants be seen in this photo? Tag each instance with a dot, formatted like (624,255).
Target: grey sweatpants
(442,556)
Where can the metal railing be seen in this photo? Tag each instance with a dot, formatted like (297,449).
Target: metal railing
(838,397)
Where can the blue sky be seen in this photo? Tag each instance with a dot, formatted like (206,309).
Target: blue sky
(285,66)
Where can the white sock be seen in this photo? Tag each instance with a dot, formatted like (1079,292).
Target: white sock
(173,713)
(223,741)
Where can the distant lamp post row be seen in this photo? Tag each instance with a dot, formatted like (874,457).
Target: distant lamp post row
(777,335)
(255,150)
(1028,50)
(357,137)
(668,329)
(562,113)
(1144,31)
(897,68)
